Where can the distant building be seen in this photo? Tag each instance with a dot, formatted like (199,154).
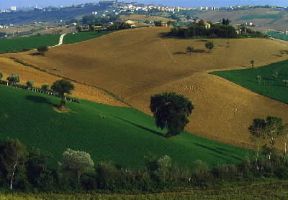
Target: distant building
(13,8)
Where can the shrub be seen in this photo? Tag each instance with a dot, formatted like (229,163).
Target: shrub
(30,84)
(13,79)
(209,45)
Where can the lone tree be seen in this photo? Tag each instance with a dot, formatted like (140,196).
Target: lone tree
(189,50)
(13,79)
(13,155)
(77,162)
(62,87)
(209,45)
(1,76)
(252,62)
(267,129)
(42,50)
(171,111)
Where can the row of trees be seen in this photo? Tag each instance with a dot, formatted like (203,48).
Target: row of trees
(59,87)
(26,169)
(198,30)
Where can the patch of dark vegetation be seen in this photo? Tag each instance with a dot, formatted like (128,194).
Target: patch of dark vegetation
(25,169)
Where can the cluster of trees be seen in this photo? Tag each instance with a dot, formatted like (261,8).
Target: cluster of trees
(199,30)
(274,77)
(26,169)
(266,131)
(59,88)
(209,45)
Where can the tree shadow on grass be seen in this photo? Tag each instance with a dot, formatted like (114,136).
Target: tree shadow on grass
(39,99)
(142,127)
(220,151)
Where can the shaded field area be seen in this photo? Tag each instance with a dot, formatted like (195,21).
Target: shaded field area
(265,190)
(27,43)
(122,135)
(269,80)
(72,38)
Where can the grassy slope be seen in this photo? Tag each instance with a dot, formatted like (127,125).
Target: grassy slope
(82,36)
(264,190)
(274,88)
(122,135)
(26,43)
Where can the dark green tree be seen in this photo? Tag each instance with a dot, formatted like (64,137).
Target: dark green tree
(252,62)
(209,45)
(42,50)
(13,155)
(1,76)
(13,79)
(62,87)
(268,130)
(45,87)
(171,111)
(30,84)
(39,174)
(189,50)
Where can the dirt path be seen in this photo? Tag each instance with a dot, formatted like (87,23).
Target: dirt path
(61,40)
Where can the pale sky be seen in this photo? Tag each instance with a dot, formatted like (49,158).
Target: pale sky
(29,3)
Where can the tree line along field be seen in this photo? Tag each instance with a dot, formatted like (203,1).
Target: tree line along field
(122,135)
(270,80)
(259,190)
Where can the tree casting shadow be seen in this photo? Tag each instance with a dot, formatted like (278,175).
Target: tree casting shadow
(142,127)
(40,100)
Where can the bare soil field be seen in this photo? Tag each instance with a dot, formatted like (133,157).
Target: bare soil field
(135,64)
(8,66)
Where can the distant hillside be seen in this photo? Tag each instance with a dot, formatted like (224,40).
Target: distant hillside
(65,14)
(263,18)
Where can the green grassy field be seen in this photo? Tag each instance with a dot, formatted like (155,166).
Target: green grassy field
(82,36)
(278,35)
(27,43)
(122,135)
(265,190)
(269,86)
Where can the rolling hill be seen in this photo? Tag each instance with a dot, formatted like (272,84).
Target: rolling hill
(122,135)
(135,64)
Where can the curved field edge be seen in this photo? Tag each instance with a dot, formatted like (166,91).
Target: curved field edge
(122,135)
(259,190)
(20,44)
(27,43)
(73,38)
(269,84)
